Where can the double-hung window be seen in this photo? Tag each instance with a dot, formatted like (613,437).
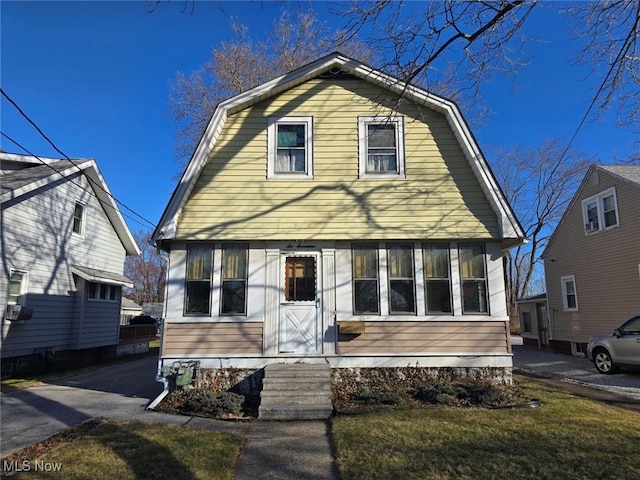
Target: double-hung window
(401,279)
(366,299)
(290,147)
(437,282)
(600,212)
(78,218)
(17,282)
(198,280)
(381,146)
(569,293)
(473,277)
(234,280)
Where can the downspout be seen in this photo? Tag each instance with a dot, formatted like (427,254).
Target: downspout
(160,378)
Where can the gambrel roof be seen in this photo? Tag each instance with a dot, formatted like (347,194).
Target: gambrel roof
(33,173)
(509,226)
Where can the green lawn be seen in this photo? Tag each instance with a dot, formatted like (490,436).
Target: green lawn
(566,438)
(131,450)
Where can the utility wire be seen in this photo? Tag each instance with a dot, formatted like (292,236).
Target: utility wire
(26,117)
(104,204)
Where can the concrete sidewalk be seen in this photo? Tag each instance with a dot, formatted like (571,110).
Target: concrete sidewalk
(297,450)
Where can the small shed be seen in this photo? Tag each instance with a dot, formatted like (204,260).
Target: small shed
(534,321)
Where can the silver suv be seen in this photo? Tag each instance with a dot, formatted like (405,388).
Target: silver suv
(618,349)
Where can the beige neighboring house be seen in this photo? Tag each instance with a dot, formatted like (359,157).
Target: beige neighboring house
(592,261)
(322,219)
(534,321)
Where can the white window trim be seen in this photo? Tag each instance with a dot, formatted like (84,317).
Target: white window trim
(83,221)
(272,123)
(590,229)
(398,122)
(100,286)
(23,286)
(563,282)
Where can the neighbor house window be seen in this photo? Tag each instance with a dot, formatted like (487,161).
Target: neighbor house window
(437,281)
(78,218)
(198,280)
(401,279)
(365,280)
(525,322)
(17,286)
(569,293)
(474,278)
(104,292)
(381,146)
(234,280)
(600,212)
(290,147)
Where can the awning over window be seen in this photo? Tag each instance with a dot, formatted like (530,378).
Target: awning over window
(100,276)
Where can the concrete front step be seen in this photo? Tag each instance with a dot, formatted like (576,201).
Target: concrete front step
(294,384)
(295,412)
(296,392)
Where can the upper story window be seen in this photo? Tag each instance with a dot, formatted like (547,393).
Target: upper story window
(381,146)
(569,293)
(401,279)
(366,299)
(437,282)
(198,279)
(79,218)
(600,212)
(290,147)
(17,286)
(104,292)
(234,280)
(473,275)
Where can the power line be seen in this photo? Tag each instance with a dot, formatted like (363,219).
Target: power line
(70,179)
(26,117)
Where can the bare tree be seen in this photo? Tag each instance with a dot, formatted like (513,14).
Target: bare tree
(539,184)
(485,36)
(147,271)
(239,64)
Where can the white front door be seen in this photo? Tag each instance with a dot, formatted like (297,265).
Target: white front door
(299,329)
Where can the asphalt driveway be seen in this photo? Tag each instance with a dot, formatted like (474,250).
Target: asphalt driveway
(116,391)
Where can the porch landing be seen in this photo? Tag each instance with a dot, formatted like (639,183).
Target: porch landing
(296,391)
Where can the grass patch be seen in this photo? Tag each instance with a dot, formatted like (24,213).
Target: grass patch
(567,438)
(132,450)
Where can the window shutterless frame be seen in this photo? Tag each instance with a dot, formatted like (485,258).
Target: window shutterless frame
(473,278)
(381,147)
(569,293)
(365,279)
(437,278)
(401,279)
(79,218)
(198,277)
(234,276)
(290,147)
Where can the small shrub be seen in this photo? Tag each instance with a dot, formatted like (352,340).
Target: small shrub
(380,397)
(217,404)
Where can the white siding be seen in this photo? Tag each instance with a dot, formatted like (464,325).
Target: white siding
(37,237)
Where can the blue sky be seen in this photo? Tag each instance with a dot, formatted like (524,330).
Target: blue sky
(95,77)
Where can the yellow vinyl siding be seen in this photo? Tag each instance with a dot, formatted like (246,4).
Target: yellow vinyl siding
(439,198)
(605,265)
(427,338)
(199,338)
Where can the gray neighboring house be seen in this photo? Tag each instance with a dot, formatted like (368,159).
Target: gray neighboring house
(534,321)
(592,260)
(63,246)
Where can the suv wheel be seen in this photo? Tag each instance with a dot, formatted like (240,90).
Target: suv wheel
(603,362)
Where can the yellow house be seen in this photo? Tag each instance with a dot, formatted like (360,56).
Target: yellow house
(335,215)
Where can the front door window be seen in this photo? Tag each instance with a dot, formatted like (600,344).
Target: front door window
(300,279)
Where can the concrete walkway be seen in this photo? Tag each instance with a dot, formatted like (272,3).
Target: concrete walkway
(297,450)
